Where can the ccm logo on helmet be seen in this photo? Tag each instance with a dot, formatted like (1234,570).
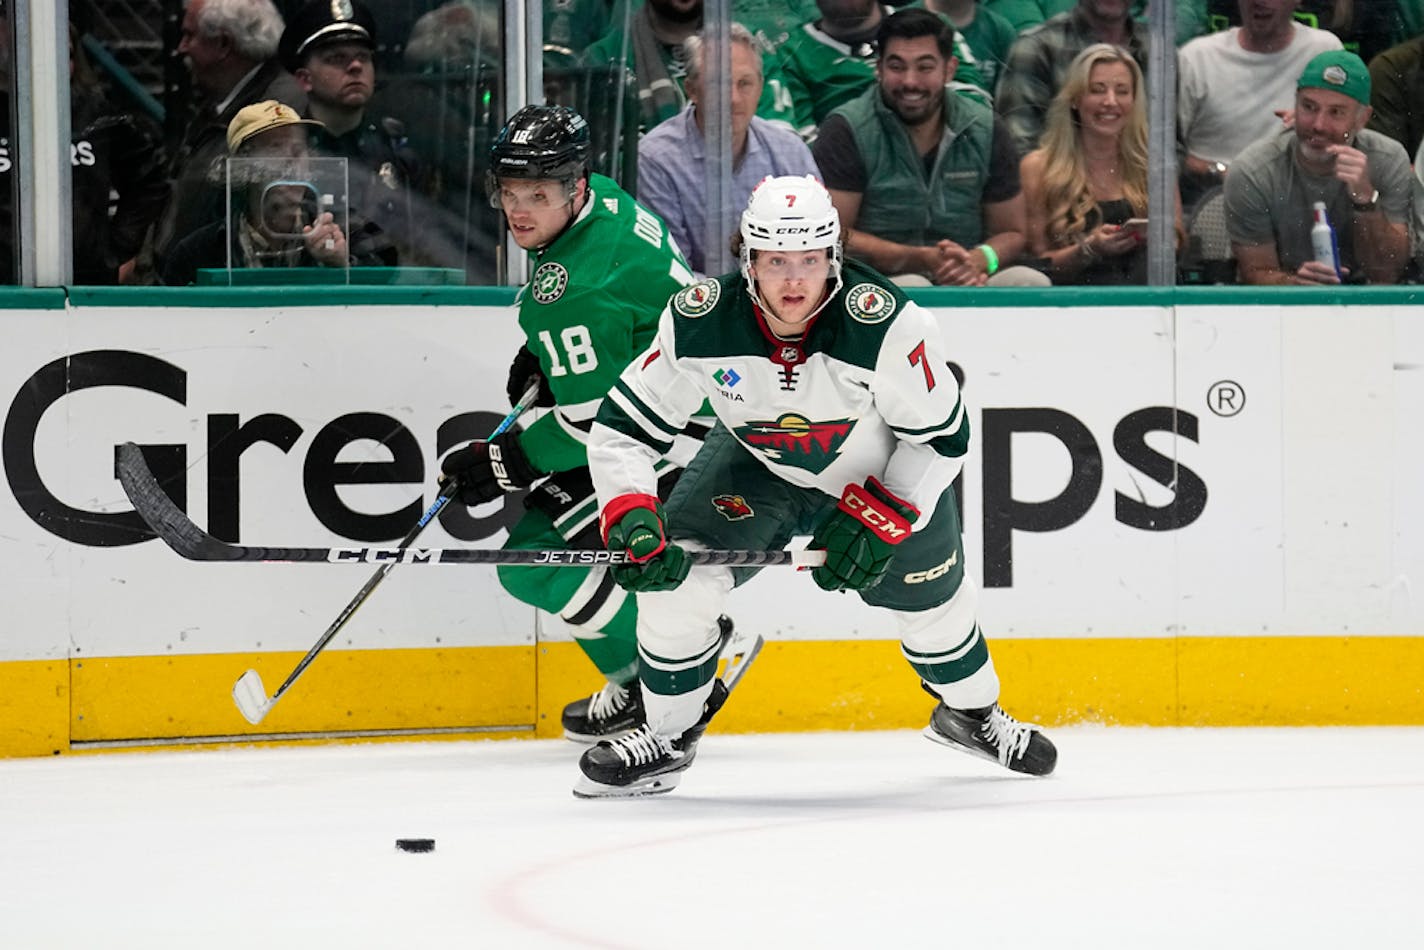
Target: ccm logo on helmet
(938,571)
(801,230)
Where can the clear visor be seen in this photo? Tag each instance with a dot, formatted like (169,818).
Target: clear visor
(512,195)
(792,265)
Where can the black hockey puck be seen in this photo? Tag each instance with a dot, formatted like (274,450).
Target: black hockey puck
(415,845)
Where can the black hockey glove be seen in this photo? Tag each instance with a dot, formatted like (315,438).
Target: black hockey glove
(488,469)
(523,373)
(859,537)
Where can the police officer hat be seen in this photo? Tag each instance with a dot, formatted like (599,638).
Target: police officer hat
(321,22)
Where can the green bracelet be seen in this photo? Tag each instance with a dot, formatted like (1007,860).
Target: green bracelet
(991,259)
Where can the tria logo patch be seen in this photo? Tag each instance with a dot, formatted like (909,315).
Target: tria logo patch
(732,507)
(726,378)
(797,441)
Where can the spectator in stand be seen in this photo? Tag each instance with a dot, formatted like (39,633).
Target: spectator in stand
(1365,27)
(329,48)
(1088,177)
(1040,59)
(652,46)
(672,157)
(1329,156)
(925,184)
(831,60)
(983,34)
(230,48)
(1397,78)
(119,183)
(1233,86)
(275,223)
(1027,14)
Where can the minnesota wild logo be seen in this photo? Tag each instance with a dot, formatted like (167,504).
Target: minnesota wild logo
(732,507)
(696,300)
(549,282)
(869,303)
(797,441)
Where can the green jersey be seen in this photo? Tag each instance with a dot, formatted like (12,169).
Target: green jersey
(590,307)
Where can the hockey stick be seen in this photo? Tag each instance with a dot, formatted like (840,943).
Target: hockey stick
(179,532)
(248,692)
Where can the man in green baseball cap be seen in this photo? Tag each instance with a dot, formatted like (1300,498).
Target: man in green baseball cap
(1361,177)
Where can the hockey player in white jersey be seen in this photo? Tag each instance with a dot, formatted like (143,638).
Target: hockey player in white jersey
(837,417)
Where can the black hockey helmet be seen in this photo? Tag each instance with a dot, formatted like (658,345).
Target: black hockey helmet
(541,142)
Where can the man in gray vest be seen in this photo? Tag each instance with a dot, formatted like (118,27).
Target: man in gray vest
(926,183)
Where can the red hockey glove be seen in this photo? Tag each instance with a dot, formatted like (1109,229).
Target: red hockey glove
(859,537)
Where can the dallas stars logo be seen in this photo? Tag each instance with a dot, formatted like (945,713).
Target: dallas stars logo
(869,303)
(797,441)
(549,282)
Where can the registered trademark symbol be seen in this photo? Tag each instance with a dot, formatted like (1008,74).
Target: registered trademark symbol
(1226,398)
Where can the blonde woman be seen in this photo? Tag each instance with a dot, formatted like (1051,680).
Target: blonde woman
(1085,186)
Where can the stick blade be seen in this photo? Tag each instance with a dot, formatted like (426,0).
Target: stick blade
(251,697)
(739,651)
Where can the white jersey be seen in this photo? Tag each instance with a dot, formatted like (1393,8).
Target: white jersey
(866,392)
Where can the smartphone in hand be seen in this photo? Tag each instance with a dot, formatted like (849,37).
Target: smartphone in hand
(1135,224)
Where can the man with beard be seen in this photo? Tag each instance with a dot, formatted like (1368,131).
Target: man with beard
(926,184)
(1039,61)
(1361,176)
(831,59)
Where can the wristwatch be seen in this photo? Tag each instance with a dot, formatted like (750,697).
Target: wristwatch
(1367,205)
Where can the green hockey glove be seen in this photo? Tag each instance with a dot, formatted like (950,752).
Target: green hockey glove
(859,537)
(635,524)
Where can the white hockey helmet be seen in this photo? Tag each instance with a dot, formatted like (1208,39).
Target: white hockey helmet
(790,213)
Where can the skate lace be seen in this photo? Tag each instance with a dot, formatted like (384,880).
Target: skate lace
(1006,734)
(608,701)
(641,746)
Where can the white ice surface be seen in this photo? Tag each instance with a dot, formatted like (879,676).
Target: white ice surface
(1143,839)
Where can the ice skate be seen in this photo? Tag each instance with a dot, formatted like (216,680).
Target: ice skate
(609,713)
(644,762)
(993,734)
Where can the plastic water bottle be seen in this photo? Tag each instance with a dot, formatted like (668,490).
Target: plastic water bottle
(1322,239)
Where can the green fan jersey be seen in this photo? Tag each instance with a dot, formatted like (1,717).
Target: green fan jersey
(590,307)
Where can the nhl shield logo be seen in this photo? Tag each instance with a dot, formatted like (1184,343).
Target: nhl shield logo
(549,282)
(869,303)
(698,299)
(732,507)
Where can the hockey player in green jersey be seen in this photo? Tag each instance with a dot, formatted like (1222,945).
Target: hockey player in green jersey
(604,266)
(841,421)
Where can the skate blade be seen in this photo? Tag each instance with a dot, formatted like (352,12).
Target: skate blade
(656,785)
(930,734)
